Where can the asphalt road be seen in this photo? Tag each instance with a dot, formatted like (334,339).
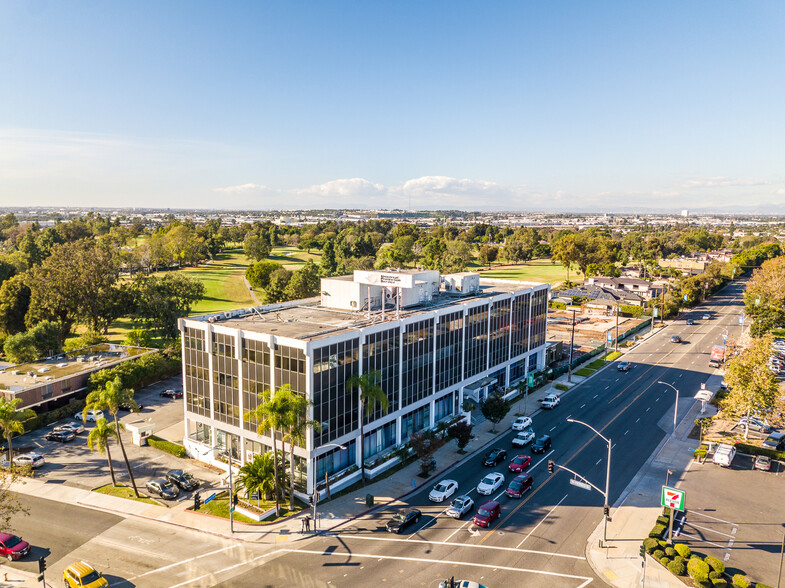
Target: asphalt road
(541,538)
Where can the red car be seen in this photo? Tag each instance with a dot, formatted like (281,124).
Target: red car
(13,547)
(519,485)
(487,513)
(519,463)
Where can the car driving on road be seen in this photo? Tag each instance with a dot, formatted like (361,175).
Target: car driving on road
(490,483)
(172,394)
(542,444)
(550,401)
(13,547)
(690,321)
(494,457)
(675,339)
(523,438)
(443,490)
(487,513)
(83,575)
(402,520)
(519,485)
(460,506)
(519,463)
(623,366)
(521,423)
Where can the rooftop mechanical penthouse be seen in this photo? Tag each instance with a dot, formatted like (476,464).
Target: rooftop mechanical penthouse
(437,341)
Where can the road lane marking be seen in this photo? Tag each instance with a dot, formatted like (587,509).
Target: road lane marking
(455,531)
(648,409)
(541,521)
(598,461)
(213,573)
(552,428)
(595,396)
(627,431)
(582,405)
(709,529)
(695,512)
(699,540)
(544,457)
(570,416)
(181,562)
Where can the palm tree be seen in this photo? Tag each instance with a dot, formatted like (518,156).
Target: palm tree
(99,439)
(271,414)
(371,395)
(109,398)
(297,426)
(257,475)
(11,419)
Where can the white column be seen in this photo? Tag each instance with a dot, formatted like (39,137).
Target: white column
(238,353)
(488,337)
(208,342)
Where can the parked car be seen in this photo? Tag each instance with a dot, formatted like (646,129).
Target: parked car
(90,416)
(624,366)
(443,490)
(172,394)
(519,463)
(723,385)
(62,436)
(523,438)
(690,321)
(75,428)
(756,424)
(163,488)
(542,444)
(521,423)
(183,480)
(494,457)
(519,485)
(461,584)
(32,459)
(83,575)
(402,520)
(490,483)
(763,463)
(775,440)
(13,547)
(487,513)
(550,401)
(724,454)
(460,506)
(706,317)
(675,339)
(130,407)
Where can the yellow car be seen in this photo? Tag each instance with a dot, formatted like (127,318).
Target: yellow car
(83,575)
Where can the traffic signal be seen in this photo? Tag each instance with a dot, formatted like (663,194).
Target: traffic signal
(606,510)
(41,565)
(643,551)
(234,499)
(551,466)
(310,499)
(197,501)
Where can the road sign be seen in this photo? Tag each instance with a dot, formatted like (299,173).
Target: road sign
(580,484)
(609,336)
(209,498)
(741,319)
(673,498)
(725,337)
(531,380)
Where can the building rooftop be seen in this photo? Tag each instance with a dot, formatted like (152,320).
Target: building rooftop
(306,320)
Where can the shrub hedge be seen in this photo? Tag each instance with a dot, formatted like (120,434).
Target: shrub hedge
(715,564)
(174,448)
(650,544)
(657,531)
(696,565)
(138,373)
(740,581)
(670,552)
(677,567)
(683,550)
(714,574)
(665,560)
(719,583)
(562,387)
(52,416)
(754,450)
(658,554)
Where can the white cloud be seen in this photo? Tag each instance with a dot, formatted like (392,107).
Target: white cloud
(243,189)
(721,181)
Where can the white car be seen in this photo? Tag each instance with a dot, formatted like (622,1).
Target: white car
(34,460)
(523,438)
(521,423)
(490,483)
(442,490)
(75,428)
(92,415)
(460,506)
(550,401)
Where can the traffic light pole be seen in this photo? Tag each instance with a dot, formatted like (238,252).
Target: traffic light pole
(41,568)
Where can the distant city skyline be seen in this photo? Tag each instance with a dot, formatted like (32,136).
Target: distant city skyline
(563,106)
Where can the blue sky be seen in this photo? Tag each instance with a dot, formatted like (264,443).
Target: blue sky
(475,105)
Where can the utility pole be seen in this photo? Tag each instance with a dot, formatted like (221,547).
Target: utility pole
(572,341)
(616,348)
(782,552)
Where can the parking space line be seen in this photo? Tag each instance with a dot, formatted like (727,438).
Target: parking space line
(540,523)
(709,529)
(698,539)
(695,512)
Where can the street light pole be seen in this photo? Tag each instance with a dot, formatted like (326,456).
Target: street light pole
(675,406)
(326,481)
(606,506)
(572,341)
(616,347)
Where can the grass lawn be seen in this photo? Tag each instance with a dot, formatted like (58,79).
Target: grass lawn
(219,507)
(585,372)
(613,355)
(292,258)
(124,492)
(537,270)
(223,282)
(596,364)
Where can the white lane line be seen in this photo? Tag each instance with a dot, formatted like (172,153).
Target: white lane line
(455,531)
(657,399)
(463,545)
(213,573)
(612,446)
(648,409)
(541,522)
(544,457)
(582,405)
(627,431)
(695,512)
(432,561)
(638,419)
(433,520)
(552,428)
(606,387)
(598,461)
(569,416)
(595,396)
(181,562)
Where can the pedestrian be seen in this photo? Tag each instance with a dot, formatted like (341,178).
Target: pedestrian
(308,523)
(302,525)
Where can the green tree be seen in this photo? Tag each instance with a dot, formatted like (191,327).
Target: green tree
(159,302)
(752,386)
(86,340)
(109,398)
(256,247)
(297,427)
(488,254)
(276,289)
(40,341)
(138,338)
(272,415)
(12,420)
(328,264)
(14,302)
(425,445)
(258,274)
(257,475)
(371,395)
(495,408)
(462,433)
(564,251)
(304,282)
(99,438)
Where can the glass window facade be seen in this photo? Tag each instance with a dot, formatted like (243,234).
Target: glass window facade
(539,318)
(417,361)
(381,352)
(520,324)
(335,407)
(443,407)
(500,332)
(290,368)
(334,461)
(196,371)
(256,376)
(415,421)
(226,391)
(449,347)
(379,440)
(518,370)
(476,341)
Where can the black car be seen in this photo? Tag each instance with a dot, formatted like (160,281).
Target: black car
(130,407)
(494,457)
(675,339)
(624,366)
(172,394)
(402,520)
(542,444)
(61,436)
(183,480)
(163,488)
(690,321)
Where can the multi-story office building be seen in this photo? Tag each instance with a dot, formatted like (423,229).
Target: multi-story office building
(436,341)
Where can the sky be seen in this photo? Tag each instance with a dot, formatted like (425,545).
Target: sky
(530,106)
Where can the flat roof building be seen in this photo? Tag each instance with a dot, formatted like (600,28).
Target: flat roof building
(435,340)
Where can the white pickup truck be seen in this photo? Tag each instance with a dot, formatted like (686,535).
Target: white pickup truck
(724,455)
(550,401)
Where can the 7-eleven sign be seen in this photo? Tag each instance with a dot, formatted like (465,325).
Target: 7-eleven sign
(673,498)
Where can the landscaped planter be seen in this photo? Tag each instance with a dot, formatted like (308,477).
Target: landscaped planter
(373,472)
(254,514)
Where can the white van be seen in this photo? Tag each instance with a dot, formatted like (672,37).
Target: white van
(724,455)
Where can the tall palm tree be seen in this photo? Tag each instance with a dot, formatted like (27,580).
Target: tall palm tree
(257,475)
(297,426)
(109,398)
(271,414)
(11,419)
(99,439)
(371,395)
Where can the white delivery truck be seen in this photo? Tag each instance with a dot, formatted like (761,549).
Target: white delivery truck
(724,455)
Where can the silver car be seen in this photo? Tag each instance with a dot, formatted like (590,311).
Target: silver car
(460,506)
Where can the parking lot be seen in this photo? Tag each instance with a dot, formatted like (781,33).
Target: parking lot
(736,514)
(74,464)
